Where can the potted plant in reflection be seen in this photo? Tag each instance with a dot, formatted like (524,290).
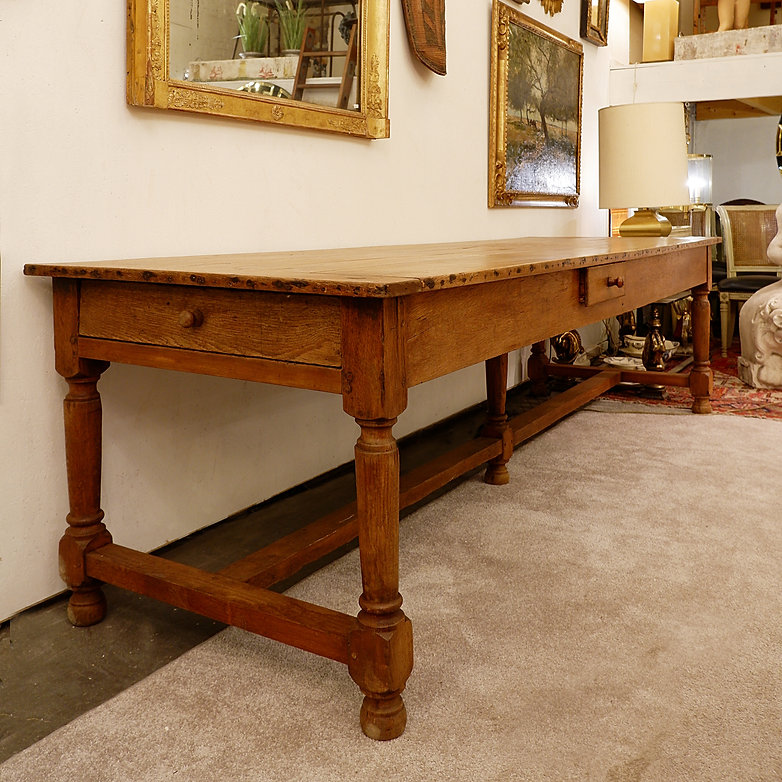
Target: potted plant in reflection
(293,21)
(253,29)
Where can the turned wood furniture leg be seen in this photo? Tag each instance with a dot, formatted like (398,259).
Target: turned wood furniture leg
(82,415)
(536,369)
(701,378)
(497,420)
(374,393)
(381,650)
(86,531)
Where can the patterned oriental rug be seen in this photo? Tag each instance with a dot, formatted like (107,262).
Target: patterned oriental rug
(730,395)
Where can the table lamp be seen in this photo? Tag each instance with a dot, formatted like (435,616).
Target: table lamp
(643,163)
(699,182)
(699,178)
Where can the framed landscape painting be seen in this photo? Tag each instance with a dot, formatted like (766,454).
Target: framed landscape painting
(535,113)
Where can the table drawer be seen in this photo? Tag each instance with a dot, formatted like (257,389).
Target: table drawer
(285,327)
(603,283)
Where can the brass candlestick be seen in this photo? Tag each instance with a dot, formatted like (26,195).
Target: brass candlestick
(654,346)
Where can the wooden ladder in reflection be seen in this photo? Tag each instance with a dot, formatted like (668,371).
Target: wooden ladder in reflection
(307,54)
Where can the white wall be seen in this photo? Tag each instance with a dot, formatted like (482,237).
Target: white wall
(83,176)
(751,174)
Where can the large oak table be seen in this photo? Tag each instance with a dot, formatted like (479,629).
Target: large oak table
(365,324)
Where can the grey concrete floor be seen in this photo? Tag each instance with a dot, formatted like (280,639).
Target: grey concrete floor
(51,672)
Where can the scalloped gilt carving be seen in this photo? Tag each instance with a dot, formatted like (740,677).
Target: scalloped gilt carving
(183,99)
(374,107)
(551,7)
(355,127)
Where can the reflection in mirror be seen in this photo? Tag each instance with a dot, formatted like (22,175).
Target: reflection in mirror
(255,46)
(309,63)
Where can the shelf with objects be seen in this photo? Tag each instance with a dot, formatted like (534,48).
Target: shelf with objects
(727,72)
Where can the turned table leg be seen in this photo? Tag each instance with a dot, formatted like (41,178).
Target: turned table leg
(701,378)
(381,650)
(536,369)
(86,531)
(497,419)
(374,393)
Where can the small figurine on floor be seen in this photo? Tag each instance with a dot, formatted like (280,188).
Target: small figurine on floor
(653,355)
(733,14)
(760,327)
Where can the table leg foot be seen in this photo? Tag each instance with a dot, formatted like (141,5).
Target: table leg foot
(383,719)
(381,659)
(496,475)
(87,606)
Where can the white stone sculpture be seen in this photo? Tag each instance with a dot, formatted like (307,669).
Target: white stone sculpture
(733,14)
(760,327)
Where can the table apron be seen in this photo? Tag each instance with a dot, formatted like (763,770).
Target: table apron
(291,327)
(455,328)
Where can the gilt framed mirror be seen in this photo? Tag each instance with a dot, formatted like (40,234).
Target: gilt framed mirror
(594,21)
(192,55)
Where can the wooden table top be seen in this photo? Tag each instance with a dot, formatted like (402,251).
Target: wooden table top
(392,270)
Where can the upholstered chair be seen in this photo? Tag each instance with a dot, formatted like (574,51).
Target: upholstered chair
(747,232)
(760,327)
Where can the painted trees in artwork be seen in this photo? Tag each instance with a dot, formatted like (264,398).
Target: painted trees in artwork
(543,107)
(543,77)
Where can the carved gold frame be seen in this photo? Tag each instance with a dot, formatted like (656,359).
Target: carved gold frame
(149,84)
(502,18)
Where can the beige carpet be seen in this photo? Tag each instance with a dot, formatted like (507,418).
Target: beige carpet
(614,614)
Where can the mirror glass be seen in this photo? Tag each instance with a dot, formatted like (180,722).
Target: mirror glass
(309,63)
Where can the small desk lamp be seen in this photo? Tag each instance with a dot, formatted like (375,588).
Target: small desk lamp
(643,161)
(699,181)
(699,178)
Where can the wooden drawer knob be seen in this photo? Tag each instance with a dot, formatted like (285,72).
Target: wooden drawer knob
(619,282)
(190,318)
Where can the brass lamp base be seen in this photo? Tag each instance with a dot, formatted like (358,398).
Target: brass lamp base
(645,222)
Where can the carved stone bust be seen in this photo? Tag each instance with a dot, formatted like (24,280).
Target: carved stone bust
(760,327)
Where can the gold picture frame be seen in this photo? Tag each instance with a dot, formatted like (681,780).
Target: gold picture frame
(150,84)
(594,21)
(535,113)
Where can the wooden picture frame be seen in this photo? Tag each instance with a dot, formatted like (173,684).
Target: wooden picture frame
(535,113)
(594,21)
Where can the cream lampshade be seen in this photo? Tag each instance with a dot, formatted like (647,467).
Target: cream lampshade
(643,163)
